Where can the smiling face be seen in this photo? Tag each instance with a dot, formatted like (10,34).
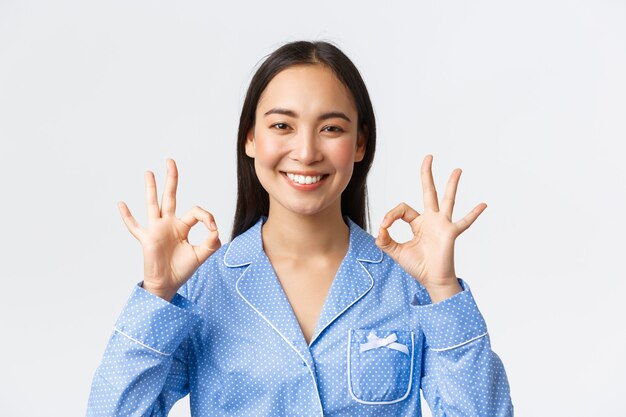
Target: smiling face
(305,140)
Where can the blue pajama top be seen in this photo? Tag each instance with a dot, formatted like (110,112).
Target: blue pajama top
(230,340)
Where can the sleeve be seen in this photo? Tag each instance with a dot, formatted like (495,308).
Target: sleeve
(461,375)
(144,368)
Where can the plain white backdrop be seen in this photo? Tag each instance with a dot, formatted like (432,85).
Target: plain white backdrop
(528,98)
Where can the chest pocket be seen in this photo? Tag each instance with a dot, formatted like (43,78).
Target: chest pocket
(380,365)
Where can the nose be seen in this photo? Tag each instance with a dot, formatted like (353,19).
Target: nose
(306,149)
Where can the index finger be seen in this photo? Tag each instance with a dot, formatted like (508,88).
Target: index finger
(430,192)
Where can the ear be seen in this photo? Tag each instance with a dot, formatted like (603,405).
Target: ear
(360,144)
(250,145)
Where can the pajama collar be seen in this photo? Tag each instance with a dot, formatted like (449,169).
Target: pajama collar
(258,285)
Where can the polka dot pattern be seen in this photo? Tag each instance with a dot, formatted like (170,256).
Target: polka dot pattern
(381,374)
(230,340)
(452,321)
(163,324)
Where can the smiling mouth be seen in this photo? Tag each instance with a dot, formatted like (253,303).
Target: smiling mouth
(305,179)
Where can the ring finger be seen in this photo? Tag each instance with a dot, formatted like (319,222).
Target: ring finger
(152,203)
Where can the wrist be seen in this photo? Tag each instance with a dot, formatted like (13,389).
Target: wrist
(165,293)
(440,292)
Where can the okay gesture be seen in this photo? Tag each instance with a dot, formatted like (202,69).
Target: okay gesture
(429,256)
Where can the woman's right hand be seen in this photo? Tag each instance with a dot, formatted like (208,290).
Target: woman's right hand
(169,259)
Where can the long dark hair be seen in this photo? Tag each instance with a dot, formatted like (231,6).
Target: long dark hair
(252,199)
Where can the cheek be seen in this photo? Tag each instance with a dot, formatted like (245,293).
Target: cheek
(343,153)
(267,151)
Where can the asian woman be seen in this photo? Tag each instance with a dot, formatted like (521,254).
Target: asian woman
(303,312)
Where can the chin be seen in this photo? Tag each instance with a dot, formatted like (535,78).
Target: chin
(308,210)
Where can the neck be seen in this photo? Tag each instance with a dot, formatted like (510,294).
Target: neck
(294,235)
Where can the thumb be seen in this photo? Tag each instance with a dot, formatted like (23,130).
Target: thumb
(210,245)
(386,243)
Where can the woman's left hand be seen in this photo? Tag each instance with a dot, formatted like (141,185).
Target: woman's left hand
(429,256)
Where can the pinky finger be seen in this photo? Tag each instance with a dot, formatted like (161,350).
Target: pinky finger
(467,221)
(131,224)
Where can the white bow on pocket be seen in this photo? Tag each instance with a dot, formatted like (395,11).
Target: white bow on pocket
(388,342)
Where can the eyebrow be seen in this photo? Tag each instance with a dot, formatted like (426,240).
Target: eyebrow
(324,116)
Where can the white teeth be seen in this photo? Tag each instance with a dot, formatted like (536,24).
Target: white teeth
(304,179)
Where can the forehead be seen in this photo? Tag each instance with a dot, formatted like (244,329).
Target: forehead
(307,88)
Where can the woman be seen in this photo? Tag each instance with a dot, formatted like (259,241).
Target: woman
(303,312)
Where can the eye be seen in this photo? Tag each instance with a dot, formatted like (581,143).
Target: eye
(333,129)
(280,126)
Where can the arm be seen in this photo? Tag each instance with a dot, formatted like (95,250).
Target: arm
(144,368)
(461,375)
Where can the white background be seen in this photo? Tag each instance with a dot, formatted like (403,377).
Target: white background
(528,98)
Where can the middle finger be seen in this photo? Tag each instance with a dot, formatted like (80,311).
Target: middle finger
(168,201)
(430,192)
(447,204)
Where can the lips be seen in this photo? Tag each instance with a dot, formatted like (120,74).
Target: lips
(305,182)
(304,179)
